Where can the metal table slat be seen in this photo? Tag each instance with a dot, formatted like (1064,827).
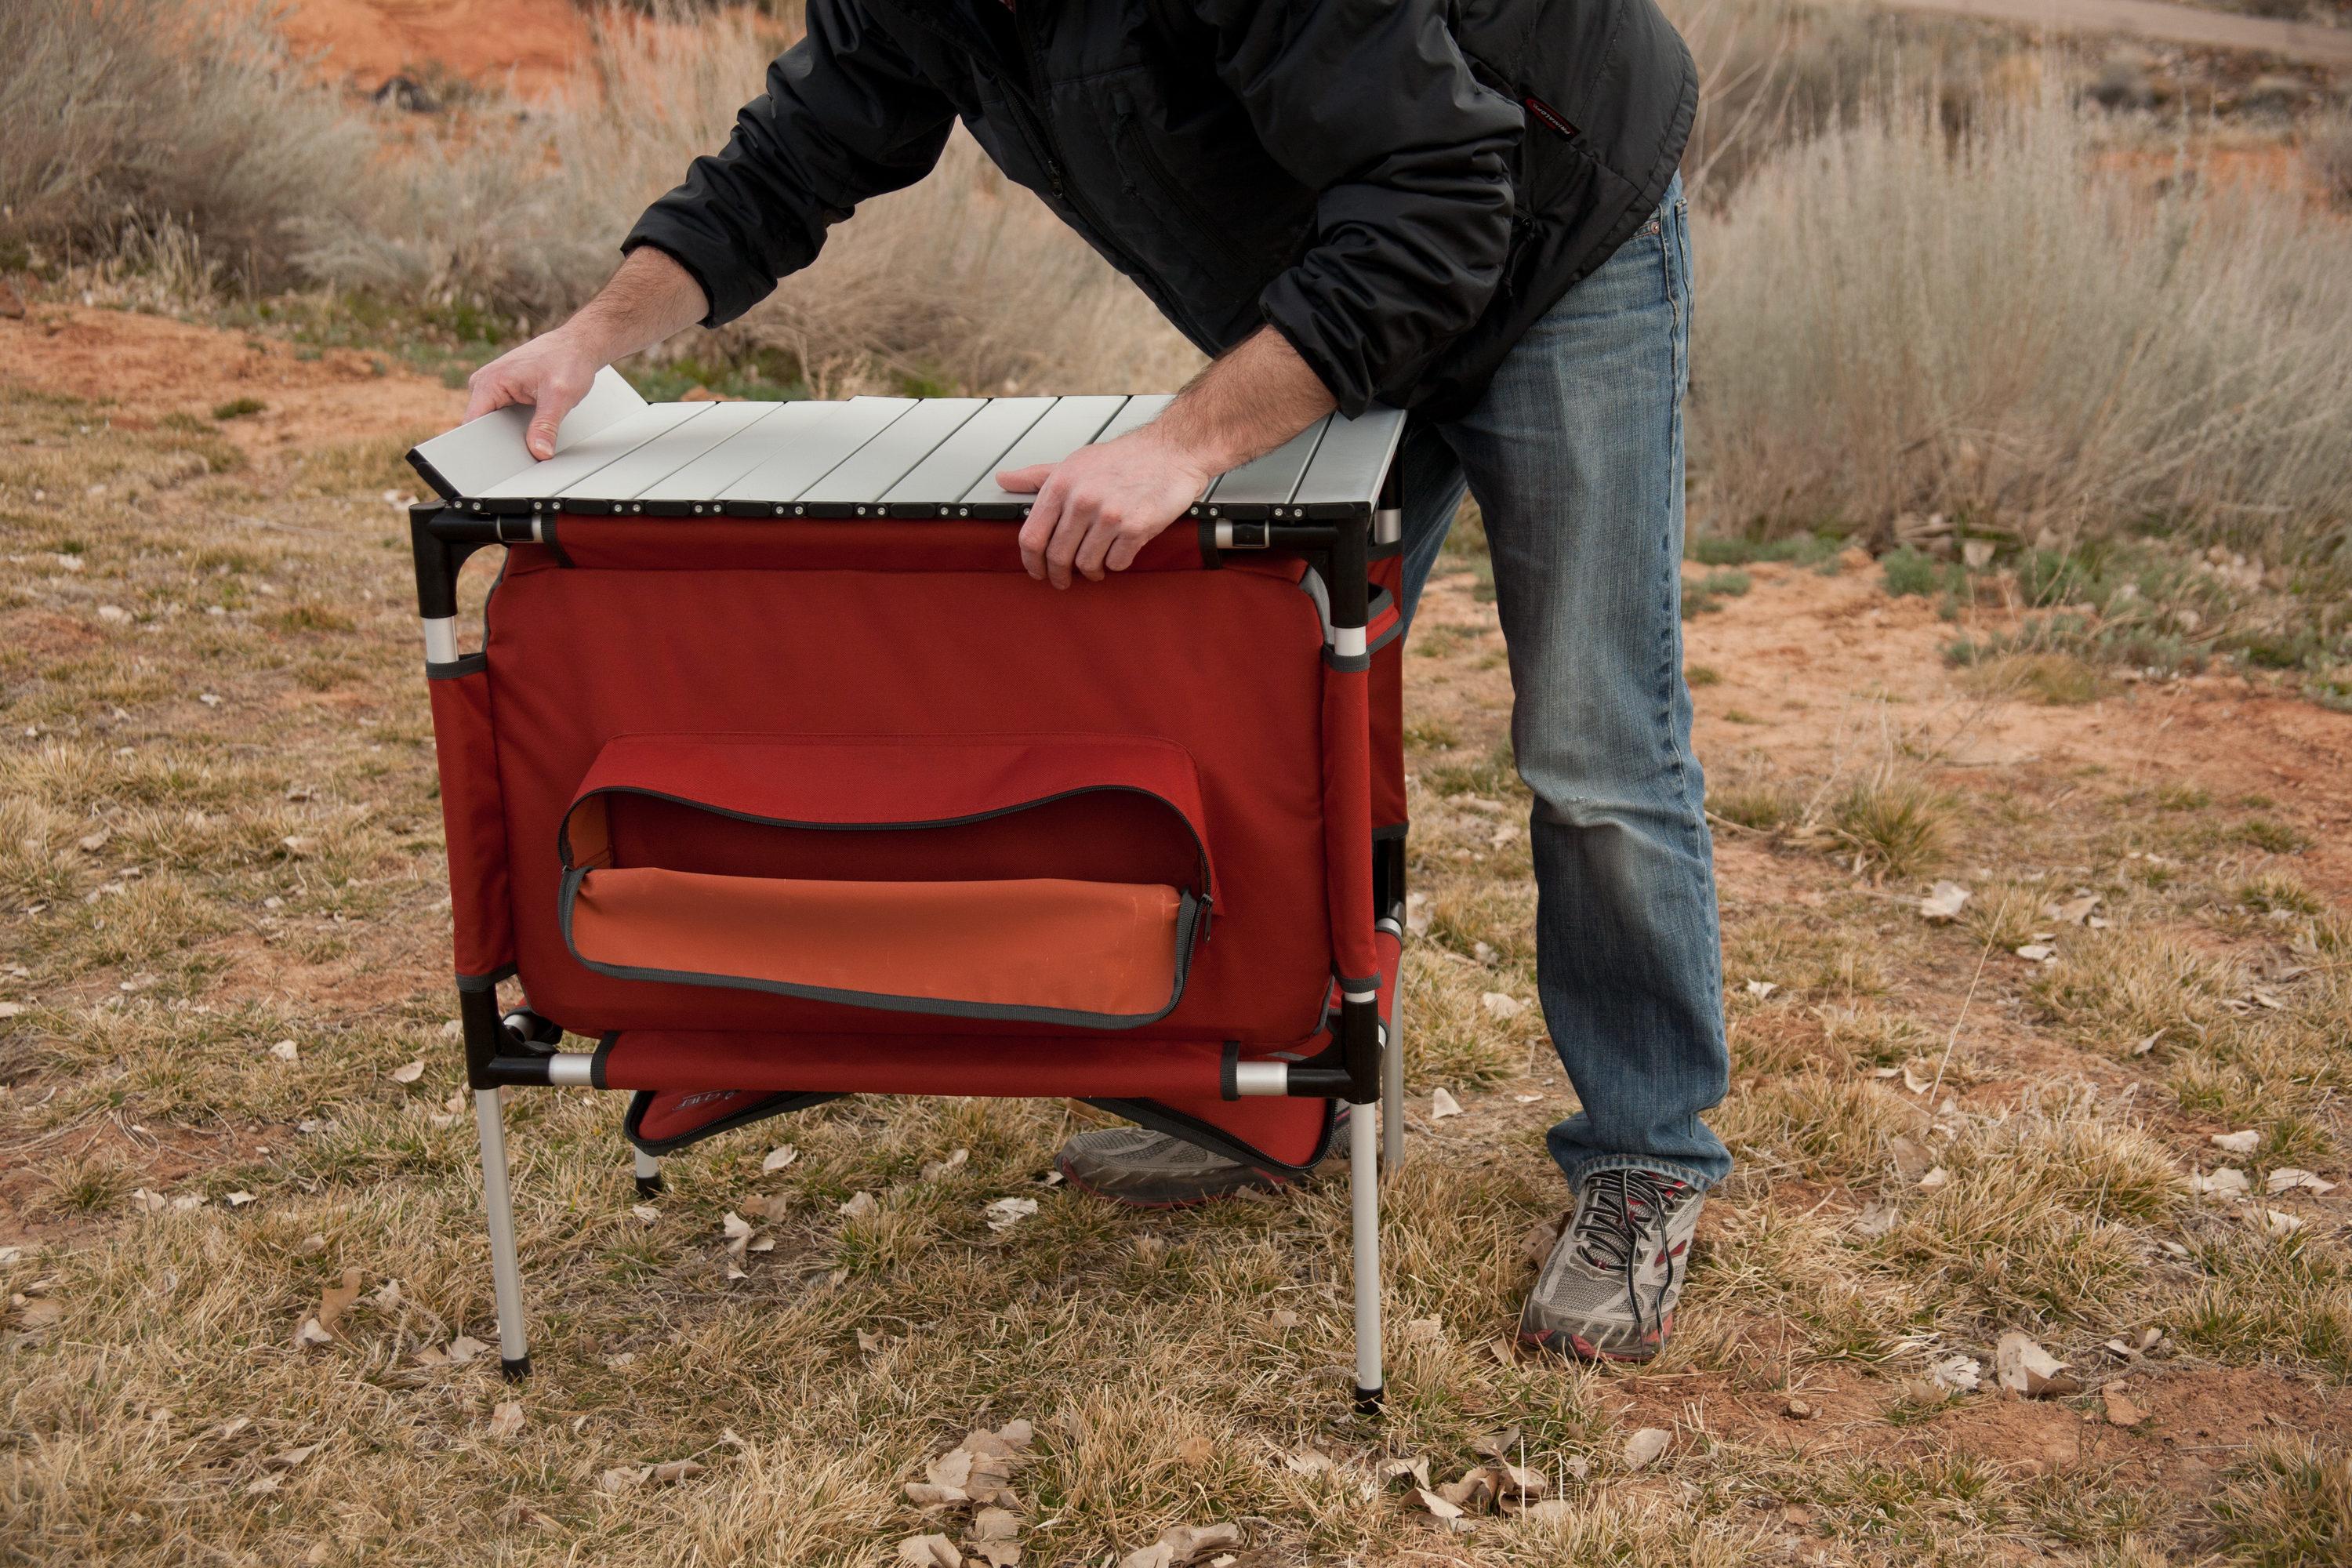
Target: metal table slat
(767,489)
(534,489)
(1263,483)
(694,488)
(463,463)
(617,483)
(1140,411)
(933,486)
(1348,466)
(853,487)
(1069,425)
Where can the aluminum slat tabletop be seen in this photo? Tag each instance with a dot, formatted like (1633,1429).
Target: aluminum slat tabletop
(1258,486)
(767,490)
(867,456)
(623,482)
(1349,464)
(934,486)
(860,481)
(750,437)
(529,490)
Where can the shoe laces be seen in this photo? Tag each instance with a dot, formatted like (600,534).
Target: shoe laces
(1622,1219)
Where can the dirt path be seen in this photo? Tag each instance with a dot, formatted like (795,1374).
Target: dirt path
(2157,20)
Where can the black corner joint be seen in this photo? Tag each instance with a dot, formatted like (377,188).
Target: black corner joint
(517,1368)
(650,1186)
(1372,1401)
(441,540)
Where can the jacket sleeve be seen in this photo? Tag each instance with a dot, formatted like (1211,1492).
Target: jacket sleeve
(845,116)
(1370,103)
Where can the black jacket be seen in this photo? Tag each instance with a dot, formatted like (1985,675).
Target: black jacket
(1400,186)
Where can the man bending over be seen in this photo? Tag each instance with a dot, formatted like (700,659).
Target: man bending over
(1469,211)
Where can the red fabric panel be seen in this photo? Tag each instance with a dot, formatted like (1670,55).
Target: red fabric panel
(1346,820)
(809,544)
(884,779)
(872,1063)
(1225,665)
(1387,701)
(474,823)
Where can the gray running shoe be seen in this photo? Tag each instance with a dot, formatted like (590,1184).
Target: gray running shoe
(1143,1169)
(1608,1290)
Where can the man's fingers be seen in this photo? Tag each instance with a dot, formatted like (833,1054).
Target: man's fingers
(553,402)
(541,437)
(1092,550)
(1025,481)
(1038,529)
(484,392)
(1079,517)
(1124,550)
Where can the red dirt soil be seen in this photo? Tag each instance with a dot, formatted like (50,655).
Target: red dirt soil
(534,46)
(147,366)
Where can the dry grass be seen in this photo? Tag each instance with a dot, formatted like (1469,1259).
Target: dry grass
(131,119)
(1893,319)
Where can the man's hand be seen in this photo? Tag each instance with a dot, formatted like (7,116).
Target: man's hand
(647,300)
(1098,507)
(551,374)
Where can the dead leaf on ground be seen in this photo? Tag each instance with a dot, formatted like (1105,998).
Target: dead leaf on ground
(2121,1411)
(1912,1159)
(2226,1182)
(1307,1461)
(933,1169)
(2023,1367)
(780,1156)
(2244,1142)
(1502,1005)
(336,1299)
(1499,1443)
(1437,1505)
(859,1206)
(994,1535)
(1415,1470)
(507,1420)
(1443,1104)
(929,1551)
(408,1073)
(1006,1213)
(1643,1448)
(978,1470)
(462,1349)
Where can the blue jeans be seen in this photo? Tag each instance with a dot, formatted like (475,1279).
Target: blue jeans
(1575,455)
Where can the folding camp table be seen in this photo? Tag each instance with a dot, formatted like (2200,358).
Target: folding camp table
(779,779)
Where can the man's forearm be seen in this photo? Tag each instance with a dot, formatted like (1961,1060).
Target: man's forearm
(1250,401)
(648,298)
